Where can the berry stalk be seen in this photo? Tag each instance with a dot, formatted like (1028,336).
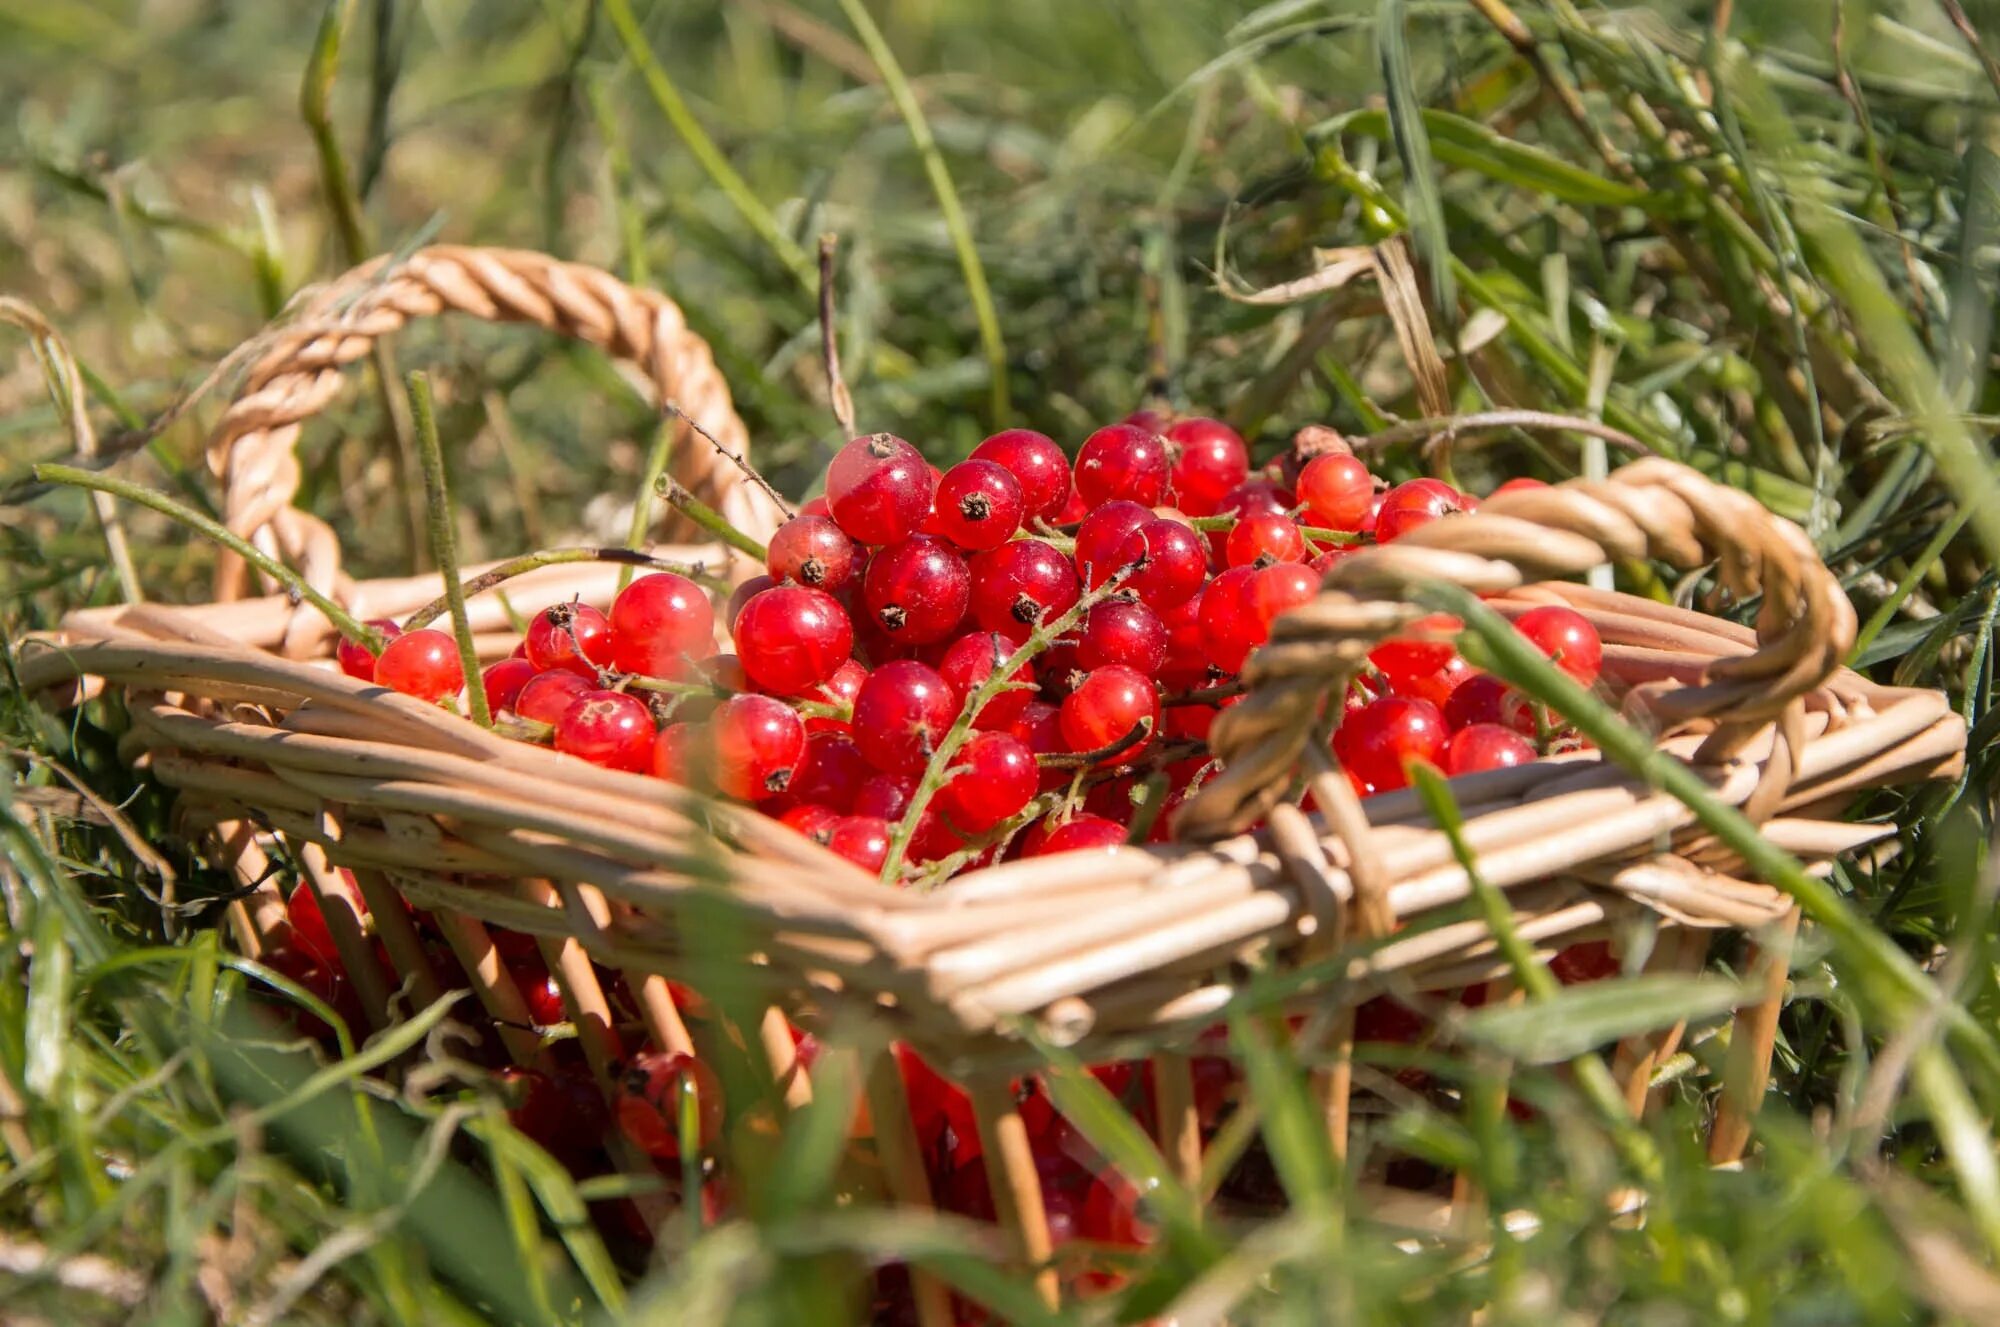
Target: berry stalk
(553,557)
(708,518)
(444,544)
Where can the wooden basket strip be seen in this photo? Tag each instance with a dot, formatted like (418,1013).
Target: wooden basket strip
(398,934)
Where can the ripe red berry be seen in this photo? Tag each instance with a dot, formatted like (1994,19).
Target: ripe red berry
(1100,539)
(879,488)
(758,742)
(659,622)
(607,728)
(1037,464)
(1436,687)
(422,663)
(1229,626)
(1186,664)
(1418,502)
(1337,491)
(356,660)
(863,840)
(888,797)
(999,777)
(979,505)
(1121,631)
(1567,637)
(1263,537)
(649,1102)
(545,696)
(791,639)
(1123,461)
(902,713)
(740,596)
(1416,654)
(814,551)
(1519,484)
(814,821)
(503,682)
(1040,730)
(1377,741)
(1275,589)
(309,931)
(1110,703)
(1019,585)
(917,590)
(1590,961)
(1486,746)
(1081,834)
(840,690)
(1212,461)
(671,753)
(971,660)
(544,996)
(830,771)
(1170,560)
(1484,698)
(574,636)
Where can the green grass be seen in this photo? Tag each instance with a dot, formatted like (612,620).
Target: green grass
(1757,252)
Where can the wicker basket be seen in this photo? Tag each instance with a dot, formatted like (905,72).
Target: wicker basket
(234,704)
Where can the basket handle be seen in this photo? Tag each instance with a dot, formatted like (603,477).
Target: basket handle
(1652,508)
(253,449)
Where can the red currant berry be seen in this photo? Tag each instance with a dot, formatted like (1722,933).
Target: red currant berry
(814,551)
(902,713)
(1081,834)
(1376,742)
(1056,670)
(998,778)
(1418,502)
(544,996)
(659,622)
(1121,461)
(356,660)
(1212,461)
(1100,540)
(649,1102)
(1120,631)
(863,840)
(1567,637)
(1519,485)
(309,931)
(1486,746)
(917,590)
(422,663)
(1337,491)
(1437,687)
(1417,653)
(1275,590)
(971,660)
(1170,560)
(812,820)
(607,728)
(503,682)
(1020,585)
(1264,537)
(979,505)
(740,596)
(1186,665)
(1037,464)
(829,773)
(888,797)
(839,690)
(1484,698)
(545,696)
(1110,703)
(791,639)
(573,636)
(672,748)
(1229,627)
(880,489)
(1590,961)
(1040,730)
(1074,509)
(758,743)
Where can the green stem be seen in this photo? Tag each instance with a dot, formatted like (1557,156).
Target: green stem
(709,519)
(1919,568)
(444,543)
(657,461)
(295,585)
(552,557)
(947,195)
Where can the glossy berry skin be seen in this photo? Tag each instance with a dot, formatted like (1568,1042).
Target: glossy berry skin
(1120,631)
(572,636)
(830,771)
(758,742)
(840,690)
(607,728)
(812,820)
(1170,560)
(967,664)
(1040,730)
(1518,485)
(1436,687)
(1020,584)
(672,753)
(1186,664)
(422,663)
(355,659)
(742,595)
(979,505)
(503,682)
(1567,637)
(1213,459)
(1417,502)
(1037,464)
(814,551)
(902,713)
(879,488)
(917,590)
(1375,742)
(1336,491)
(999,777)
(1101,539)
(544,996)
(1276,589)
(649,1102)
(1484,698)
(1123,461)
(863,840)
(1082,834)
(791,639)
(545,696)
(1486,746)
(888,797)
(1111,701)
(1406,659)
(309,931)
(1229,627)
(658,623)
(1263,538)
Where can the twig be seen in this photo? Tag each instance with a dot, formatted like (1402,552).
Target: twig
(1413,429)
(1955,11)
(444,542)
(295,585)
(657,460)
(829,340)
(1892,196)
(1140,731)
(736,459)
(708,518)
(552,557)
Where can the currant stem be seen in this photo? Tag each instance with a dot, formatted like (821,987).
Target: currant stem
(1315,533)
(553,557)
(708,518)
(444,544)
(657,460)
(750,471)
(1085,759)
(295,585)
